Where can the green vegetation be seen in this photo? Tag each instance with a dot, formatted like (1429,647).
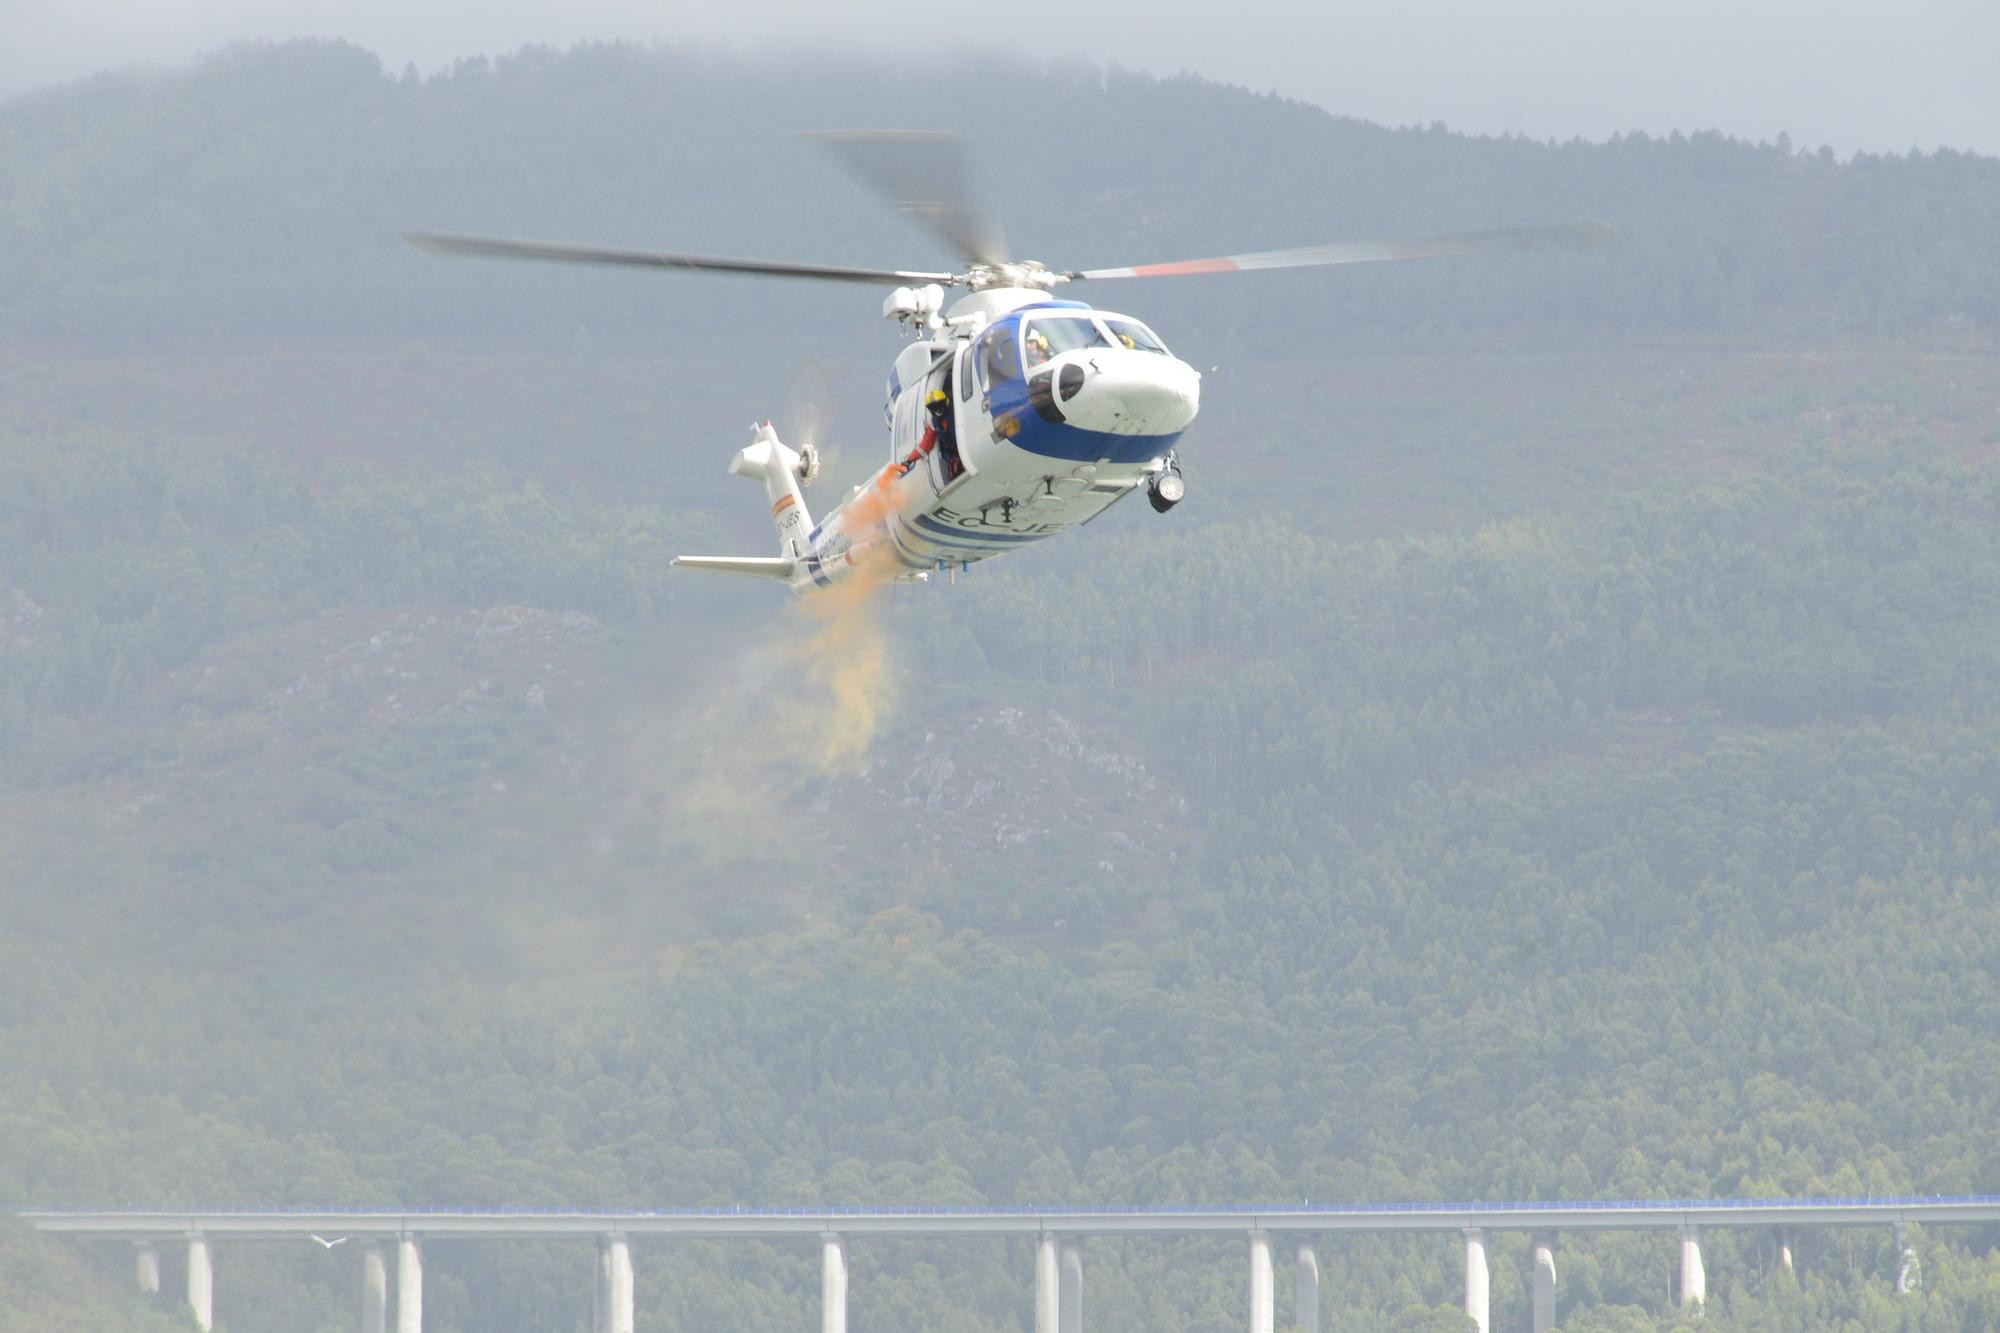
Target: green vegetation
(1509,776)
(51,1289)
(266,194)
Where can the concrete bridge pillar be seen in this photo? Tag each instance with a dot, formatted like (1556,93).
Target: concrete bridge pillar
(1048,1303)
(1478,1282)
(618,1254)
(1545,1282)
(1785,1250)
(1263,1291)
(1072,1287)
(374,1289)
(409,1285)
(148,1263)
(201,1282)
(832,1284)
(1694,1279)
(600,1290)
(1909,1269)
(1305,1291)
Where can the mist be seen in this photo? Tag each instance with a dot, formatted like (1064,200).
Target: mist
(1546,754)
(1854,75)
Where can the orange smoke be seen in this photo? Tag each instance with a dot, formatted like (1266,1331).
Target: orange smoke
(849,651)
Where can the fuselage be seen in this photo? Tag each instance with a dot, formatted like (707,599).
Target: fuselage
(1052,412)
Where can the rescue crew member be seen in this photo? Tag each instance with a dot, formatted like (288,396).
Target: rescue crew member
(938,426)
(947,437)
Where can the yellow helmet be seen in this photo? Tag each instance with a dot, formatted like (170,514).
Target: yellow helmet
(937,396)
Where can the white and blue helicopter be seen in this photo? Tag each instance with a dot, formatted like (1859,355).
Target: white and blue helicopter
(1013,416)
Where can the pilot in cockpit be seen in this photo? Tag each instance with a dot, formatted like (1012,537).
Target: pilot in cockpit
(1037,344)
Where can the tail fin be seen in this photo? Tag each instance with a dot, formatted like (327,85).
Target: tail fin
(769,460)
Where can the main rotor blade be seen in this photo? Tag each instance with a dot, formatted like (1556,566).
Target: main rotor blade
(923,174)
(1570,236)
(494,247)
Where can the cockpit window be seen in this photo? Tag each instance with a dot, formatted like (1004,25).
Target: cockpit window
(1131,333)
(997,357)
(1051,336)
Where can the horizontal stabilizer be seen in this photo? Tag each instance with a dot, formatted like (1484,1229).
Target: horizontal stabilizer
(773,567)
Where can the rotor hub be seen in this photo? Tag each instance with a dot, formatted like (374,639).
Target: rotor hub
(1030,273)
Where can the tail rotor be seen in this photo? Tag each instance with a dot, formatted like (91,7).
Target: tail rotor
(805,420)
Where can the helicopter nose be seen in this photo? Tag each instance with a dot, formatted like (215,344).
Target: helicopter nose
(1124,392)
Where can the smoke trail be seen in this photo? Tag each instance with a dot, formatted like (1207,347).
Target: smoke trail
(803,701)
(849,652)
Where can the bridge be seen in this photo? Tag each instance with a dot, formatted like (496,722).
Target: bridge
(1057,1233)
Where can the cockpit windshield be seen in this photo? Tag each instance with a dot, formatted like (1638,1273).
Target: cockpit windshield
(1131,333)
(1052,335)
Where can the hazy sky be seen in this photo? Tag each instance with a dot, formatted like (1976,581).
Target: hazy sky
(1867,74)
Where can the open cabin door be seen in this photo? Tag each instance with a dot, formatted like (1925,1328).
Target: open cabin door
(906,422)
(955,378)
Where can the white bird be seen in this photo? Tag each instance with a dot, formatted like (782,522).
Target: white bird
(329,1244)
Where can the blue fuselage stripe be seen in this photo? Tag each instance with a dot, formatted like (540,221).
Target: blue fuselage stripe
(1075,444)
(903,552)
(969,543)
(977,533)
(1033,434)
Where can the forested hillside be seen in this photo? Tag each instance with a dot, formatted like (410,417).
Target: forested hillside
(266,193)
(1551,754)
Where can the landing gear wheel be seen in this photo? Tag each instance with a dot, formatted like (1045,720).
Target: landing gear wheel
(1166,489)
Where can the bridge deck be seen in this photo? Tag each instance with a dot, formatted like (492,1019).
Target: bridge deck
(137,1223)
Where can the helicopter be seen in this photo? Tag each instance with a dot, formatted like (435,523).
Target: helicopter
(1014,415)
